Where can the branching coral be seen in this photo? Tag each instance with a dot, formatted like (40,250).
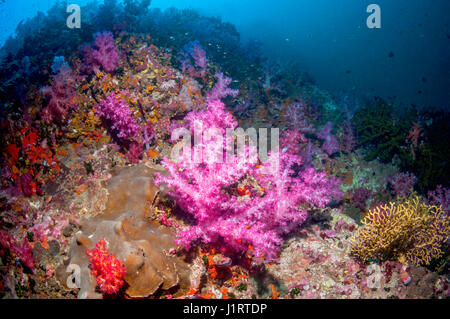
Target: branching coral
(409,232)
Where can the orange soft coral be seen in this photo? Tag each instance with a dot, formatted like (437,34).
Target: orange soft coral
(107,269)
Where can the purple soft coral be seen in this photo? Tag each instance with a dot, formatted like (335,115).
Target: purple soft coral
(292,140)
(193,51)
(221,89)
(118,116)
(61,94)
(331,144)
(296,117)
(402,183)
(104,55)
(348,138)
(360,197)
(23,251)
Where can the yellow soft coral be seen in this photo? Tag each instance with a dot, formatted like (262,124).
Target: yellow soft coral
(408,232)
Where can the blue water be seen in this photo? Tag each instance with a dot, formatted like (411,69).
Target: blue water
(330,40)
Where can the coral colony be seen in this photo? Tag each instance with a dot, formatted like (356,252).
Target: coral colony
(124,151)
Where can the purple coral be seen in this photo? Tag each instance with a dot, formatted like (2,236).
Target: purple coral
(348,142)
(135,152)
(25,184)
(61,95)
(23,251)
(118,116)
(193,51)
(221,89)
(296,117)
(207,191)
(360,197)
(292,140)
(103,55)
(402,183)
(331,144)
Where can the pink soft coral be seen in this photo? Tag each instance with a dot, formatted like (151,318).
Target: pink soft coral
(104,54)
(193,51)
(402,183)
(209,191)
(297,117)
(292,141)
(118,117)
(331,144)
(23,251)
(107,269)
(221,89)
(61,95)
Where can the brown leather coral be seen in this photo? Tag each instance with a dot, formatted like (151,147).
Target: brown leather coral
(141,244)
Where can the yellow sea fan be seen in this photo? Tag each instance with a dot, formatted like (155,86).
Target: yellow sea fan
(408,232)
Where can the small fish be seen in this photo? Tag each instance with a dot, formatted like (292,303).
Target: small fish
(420,92)
(391,54)
(424,79)
(348,72)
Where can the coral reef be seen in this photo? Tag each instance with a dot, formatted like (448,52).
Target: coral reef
(95,203)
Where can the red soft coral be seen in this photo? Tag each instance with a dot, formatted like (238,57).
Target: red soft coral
(107,269)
